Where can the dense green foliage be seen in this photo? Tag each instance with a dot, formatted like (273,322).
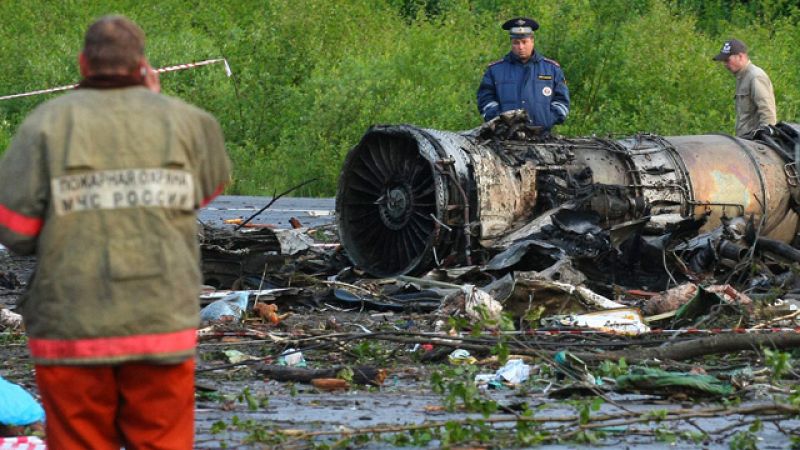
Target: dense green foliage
(310,76)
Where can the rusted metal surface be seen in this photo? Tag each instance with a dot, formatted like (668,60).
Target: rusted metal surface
(410,199)
(736,177)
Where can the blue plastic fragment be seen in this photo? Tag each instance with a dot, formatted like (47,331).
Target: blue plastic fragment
(17,406)
(231,307)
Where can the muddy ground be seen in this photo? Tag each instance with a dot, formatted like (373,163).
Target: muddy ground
(420,398)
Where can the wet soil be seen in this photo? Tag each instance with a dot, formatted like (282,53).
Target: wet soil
(239,407)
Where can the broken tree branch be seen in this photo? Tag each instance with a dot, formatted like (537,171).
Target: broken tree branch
(361,375)
(675,350)
(274,199)
(777,319)
(722,343)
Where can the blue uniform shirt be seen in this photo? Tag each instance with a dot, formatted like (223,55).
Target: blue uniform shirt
(537,86)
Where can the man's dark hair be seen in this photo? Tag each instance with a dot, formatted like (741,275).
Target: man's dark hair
(113,43)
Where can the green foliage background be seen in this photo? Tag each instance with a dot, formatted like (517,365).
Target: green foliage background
(310,76)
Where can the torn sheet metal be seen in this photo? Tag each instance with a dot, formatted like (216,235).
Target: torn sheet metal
(522,297)
(228,256)
(506,193)
(562,271)
(478,304)
(293,242)
(530,254)
(706,298)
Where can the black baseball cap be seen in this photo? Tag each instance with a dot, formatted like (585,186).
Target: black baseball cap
(730,47)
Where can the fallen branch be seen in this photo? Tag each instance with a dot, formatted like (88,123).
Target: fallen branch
(676,351)
(712,345)
(777,319)
(361,375)
(722,343)
(274,199)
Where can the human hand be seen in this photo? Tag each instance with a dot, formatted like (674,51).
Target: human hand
(767,130)
(558,114)
(151,80)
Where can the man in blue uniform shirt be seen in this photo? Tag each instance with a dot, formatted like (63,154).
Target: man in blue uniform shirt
(524,79)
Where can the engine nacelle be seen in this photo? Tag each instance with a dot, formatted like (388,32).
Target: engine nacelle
(412,198)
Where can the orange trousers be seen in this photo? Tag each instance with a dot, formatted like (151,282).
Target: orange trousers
(135,405)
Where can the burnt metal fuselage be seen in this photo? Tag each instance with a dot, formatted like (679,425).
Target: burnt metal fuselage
(410,198)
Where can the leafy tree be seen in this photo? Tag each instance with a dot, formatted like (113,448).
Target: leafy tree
(310,76)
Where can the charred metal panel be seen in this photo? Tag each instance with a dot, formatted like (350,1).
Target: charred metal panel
(660,174)
(506,193)
(227,256)
(608,166)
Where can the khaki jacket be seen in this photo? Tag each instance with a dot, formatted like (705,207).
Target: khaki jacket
(755,100)
(103,186)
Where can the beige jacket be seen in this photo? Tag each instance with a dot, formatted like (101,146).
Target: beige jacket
(103,185)
(755,100)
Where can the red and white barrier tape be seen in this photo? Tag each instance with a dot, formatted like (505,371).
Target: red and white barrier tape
(22,443)
(161,70)
(709,331)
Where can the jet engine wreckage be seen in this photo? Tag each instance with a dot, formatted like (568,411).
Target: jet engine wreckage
(411,199)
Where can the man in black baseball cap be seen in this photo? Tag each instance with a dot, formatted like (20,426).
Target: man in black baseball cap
(755,99)
(729,48)
(524,79)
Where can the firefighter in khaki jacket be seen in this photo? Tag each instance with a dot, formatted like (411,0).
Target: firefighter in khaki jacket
(102,185)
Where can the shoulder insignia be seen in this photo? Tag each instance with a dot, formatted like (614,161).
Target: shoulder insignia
(494,62)
(552,61)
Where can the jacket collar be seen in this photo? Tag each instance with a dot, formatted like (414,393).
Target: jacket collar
(110,82)
(743,71)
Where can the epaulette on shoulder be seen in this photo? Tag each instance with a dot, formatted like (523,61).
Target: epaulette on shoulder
(552,61)
(494,62)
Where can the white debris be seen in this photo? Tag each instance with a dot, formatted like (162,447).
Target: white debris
(9,319)
(515,371)
(293,241)
(319,213)
(480,305)
(627,321)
